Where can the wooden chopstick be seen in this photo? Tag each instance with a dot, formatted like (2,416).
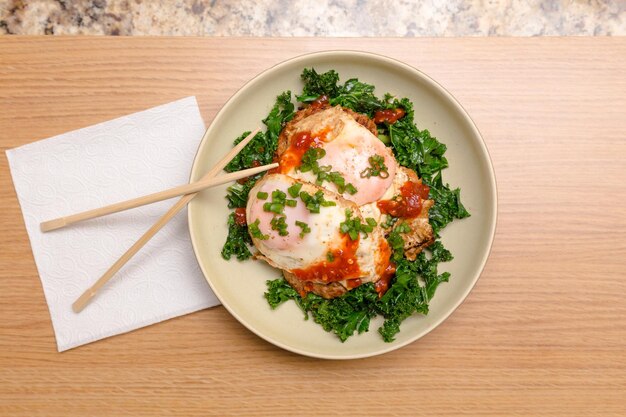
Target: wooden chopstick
(152,198)
(90,293)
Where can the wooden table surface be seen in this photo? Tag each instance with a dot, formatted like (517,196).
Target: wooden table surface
(542,333)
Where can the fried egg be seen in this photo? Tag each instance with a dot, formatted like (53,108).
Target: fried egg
(307,243)
(348,147)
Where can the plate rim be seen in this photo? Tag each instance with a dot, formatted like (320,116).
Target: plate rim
(461,112)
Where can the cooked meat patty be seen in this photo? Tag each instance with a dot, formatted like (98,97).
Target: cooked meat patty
(330,290)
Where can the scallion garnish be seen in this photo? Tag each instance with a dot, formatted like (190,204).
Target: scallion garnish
(255,231)
(305,228)
(377,168)
(324,173)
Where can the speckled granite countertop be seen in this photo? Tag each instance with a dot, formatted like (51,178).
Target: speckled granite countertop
(314,18)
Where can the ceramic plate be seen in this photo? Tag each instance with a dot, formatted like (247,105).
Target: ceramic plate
(240,285)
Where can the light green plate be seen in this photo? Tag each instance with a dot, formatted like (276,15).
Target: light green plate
(240,285)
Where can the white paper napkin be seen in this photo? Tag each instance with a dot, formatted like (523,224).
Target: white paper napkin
(124,158)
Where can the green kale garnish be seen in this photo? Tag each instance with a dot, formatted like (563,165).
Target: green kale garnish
(447,205)
(279,291)
(237,194)
(353,94)
(261,149)
(414,148)
(343,316)
(237,242)
(317,85)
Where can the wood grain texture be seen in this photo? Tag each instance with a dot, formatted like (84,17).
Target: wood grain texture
(543,332)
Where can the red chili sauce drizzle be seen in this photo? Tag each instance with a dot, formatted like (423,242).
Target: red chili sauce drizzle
(382,285)
(343,266)
(240,216)
(409,203)
(386,270)
(319,102)
(302,141)
(353,283)
(389,116)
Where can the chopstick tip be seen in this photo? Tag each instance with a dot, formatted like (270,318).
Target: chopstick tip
(52,225)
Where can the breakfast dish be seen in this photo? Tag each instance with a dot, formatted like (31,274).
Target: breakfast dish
(241,285)
(352,214)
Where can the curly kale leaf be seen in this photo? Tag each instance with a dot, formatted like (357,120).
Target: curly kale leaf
(357,96)
(403,298)
(282,112)
(316,85)
(261,149)
(447,206)
(237,242)
(412,289)
(237,194)
(414,148)
(344,316)
(353,94)
(279,291)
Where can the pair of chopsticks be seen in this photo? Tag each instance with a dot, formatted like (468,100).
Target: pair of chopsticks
(189,191)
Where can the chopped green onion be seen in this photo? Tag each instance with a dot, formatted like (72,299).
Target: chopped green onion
(261,195)
(255,231)
(403,228)
(390,221)
(351,189)
(377,168)
(309,159)
(314,202)
(324,173)
(277,205)
(305,228)
(278,224)
(353,226)
(277,208)
(294,190)
(278,195)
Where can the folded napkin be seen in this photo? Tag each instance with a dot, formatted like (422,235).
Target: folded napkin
(113,161)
